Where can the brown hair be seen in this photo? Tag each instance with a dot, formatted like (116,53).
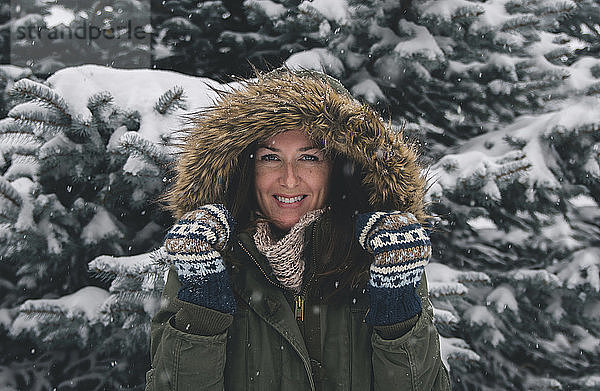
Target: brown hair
(343,264)
(240,199)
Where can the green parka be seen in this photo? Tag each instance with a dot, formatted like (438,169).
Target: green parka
(263,346)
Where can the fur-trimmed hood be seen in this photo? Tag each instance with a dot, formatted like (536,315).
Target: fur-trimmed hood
(291,100)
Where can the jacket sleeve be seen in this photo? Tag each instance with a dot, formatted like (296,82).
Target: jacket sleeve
(412,361)
(187,344)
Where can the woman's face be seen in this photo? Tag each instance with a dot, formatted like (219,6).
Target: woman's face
(291,178)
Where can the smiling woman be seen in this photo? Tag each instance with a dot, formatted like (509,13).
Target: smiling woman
(291,178)
(299,253)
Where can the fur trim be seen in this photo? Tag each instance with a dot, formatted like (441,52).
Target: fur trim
(282,101)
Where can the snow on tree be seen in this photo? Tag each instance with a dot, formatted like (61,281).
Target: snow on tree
(521,204)
(528,216)
(86,155)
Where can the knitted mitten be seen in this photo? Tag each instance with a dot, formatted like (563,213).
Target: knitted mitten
(193,244)
(401,249)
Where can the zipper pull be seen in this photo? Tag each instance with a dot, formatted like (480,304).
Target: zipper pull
(299,307)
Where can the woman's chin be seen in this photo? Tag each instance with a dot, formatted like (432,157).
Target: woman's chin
(284,225)
(285,220)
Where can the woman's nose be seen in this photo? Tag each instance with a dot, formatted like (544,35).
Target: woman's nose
(289,176)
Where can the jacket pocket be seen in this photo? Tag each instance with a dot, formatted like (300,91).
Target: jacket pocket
(189,362)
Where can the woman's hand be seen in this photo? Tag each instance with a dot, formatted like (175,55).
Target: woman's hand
(193,245)
(401,248)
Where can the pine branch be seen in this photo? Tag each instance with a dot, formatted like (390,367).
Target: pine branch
(474,277)
(10,193)
(53,315)
(542,384)
(42,121)
(511,165)
(19,143)
(27,90)
(135,145)
(457,349)
(134,296)
(13,133)
(99,100)
(439,289)
(135,281)
(171,100)
(536,85)
(560,55)
(444,317)
(139,268)
(555,8)
(517,7)
(101,275)
(466,13)
(536,276)
(519,22)
(119,308)
(80,130)
(23,166)
(25,150)
(58,146)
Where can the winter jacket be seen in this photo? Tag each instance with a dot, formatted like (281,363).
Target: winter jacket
(262,346)
(265,348)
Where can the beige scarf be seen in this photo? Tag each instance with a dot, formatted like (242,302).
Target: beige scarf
(286,255)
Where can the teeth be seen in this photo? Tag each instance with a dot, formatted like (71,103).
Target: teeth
(289,200)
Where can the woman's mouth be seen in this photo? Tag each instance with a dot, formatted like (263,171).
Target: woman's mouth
(289,200)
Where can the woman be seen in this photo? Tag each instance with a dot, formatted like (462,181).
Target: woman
(299,252)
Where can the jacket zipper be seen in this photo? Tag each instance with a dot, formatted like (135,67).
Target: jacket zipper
(300,298)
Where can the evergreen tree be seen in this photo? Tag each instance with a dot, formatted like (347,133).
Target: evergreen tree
(80,181)
(186,33)
(517,203)
(218,39)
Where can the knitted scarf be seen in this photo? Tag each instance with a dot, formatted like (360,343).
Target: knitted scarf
(286,255)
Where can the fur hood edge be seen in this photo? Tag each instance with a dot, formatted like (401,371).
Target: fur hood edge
(274,103)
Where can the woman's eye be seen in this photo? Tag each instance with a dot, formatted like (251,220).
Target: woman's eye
(269,158)
(311,158)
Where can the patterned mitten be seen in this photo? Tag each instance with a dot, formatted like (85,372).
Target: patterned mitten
(401,248)
(193,244)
